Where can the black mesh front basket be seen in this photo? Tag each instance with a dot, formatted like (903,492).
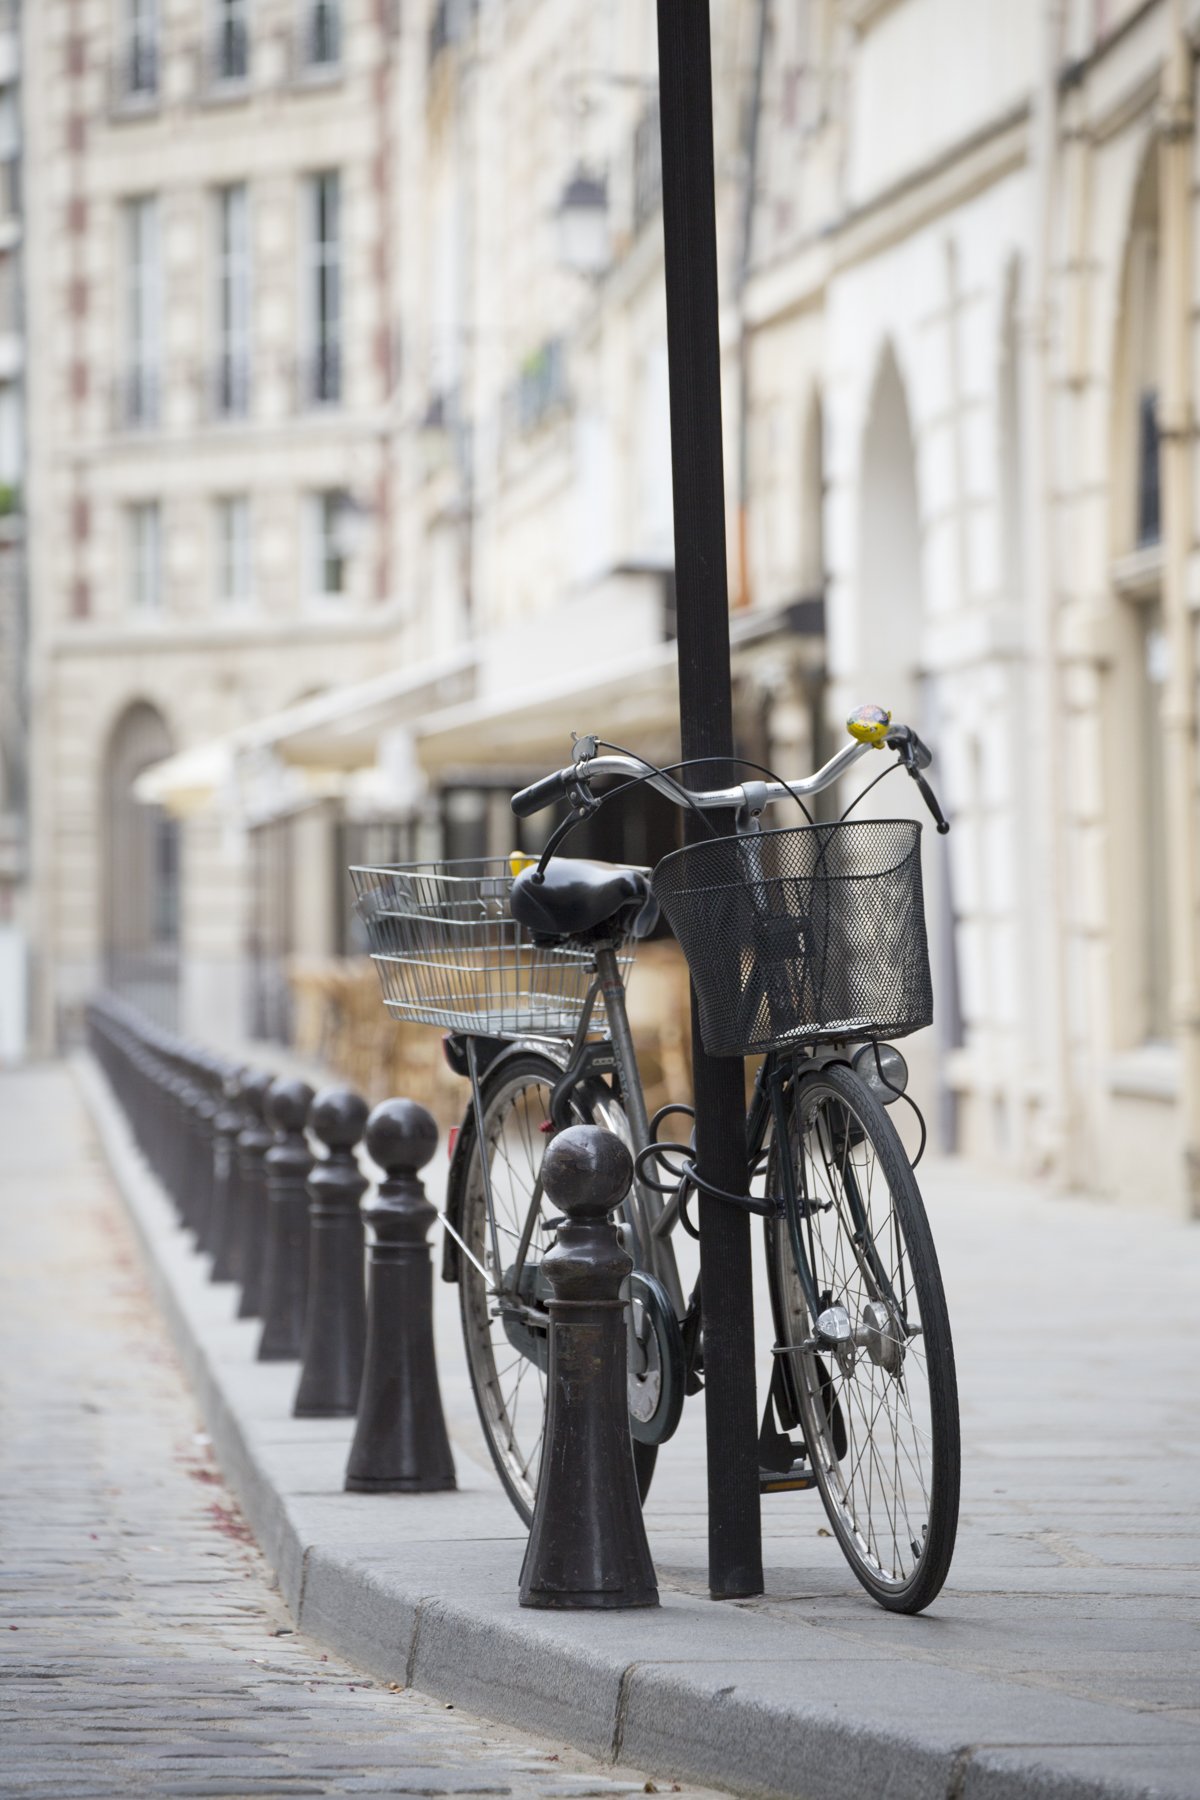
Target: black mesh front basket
(793,937)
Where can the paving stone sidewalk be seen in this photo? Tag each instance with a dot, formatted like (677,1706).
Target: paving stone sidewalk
(142,1648)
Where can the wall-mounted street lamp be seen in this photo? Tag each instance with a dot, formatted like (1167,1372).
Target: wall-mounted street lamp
(582,219)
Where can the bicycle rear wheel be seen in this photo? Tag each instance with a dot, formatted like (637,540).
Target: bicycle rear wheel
(872,1374)
(506,1357)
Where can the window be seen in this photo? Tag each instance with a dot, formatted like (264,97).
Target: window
(11,445)
(324,282)
(1149,519)
(145,557)
(232,385)
(143,310)
(138,72)
(231,41)
(234,558)
(329,530)
(10,154)
(321,34)
(1148,755)
(10,293)
(647,166)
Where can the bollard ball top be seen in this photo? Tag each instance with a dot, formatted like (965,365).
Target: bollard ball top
(255,1085)
(400,1135)
(236,1075)
(337,1117)
(287,1105)
(587,1171)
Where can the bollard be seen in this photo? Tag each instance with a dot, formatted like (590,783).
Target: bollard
(335,1320)
(400,1444)
(587,1545)
(226,1191)
(204,1105)
(254,1140)
(285,1254)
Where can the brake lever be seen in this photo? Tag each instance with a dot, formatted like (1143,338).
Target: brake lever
(583,804)
(930,799)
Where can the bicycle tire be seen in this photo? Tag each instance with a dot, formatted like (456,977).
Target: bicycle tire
(877,1262)
(515,1444)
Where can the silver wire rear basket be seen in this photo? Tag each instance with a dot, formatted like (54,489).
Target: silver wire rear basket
(450,953)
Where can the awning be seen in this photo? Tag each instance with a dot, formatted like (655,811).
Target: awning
(333,733)
(633,701)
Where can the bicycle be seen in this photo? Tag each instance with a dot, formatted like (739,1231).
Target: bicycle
(805,944)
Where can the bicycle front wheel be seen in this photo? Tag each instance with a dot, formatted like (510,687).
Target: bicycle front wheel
(507,1354)
(865,1339)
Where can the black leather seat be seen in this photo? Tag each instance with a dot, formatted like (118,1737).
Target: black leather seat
(584,899)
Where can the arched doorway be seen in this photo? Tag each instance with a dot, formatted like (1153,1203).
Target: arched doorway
(140,851)
(888,671)
(1135,684)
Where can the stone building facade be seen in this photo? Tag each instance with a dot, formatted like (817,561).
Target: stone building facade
(958,286)
(212,377)
(14,693)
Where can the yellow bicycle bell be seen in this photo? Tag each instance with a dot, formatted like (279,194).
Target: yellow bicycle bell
(869,725)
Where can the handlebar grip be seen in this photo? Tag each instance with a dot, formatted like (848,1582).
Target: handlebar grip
(916,754)
(541,794)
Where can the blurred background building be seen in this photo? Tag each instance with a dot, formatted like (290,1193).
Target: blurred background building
(350,493)
(14,667)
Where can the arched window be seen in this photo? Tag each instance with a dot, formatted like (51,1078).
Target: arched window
(890,602)
(1136,683)
(140,851)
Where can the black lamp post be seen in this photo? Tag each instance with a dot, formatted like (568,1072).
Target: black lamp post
(706,730)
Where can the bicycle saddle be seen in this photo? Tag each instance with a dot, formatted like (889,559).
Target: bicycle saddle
(581,899)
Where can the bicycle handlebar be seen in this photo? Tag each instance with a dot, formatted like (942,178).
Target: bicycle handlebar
(552,787)
(913,755)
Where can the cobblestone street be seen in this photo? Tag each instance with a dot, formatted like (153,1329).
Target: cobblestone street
(141,1647)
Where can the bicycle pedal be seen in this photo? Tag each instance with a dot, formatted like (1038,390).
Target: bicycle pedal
(772,1481)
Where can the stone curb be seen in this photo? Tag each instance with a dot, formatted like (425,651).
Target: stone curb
(422,1590)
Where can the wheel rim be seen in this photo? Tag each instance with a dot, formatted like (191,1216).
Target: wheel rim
(509,1385)
(876,1471)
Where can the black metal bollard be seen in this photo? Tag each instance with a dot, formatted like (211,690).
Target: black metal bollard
(285,1255)
(204,1104)
(335,1321)
(400,1444)
(226,1191)
(254,1140)
(587,1545)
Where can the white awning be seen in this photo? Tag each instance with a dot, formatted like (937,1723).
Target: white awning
(634,701)
(332,734)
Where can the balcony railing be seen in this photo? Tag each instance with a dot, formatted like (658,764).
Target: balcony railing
(137,399)
(230,389)
(320,375)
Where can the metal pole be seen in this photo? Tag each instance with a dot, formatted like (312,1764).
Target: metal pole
(706,730)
